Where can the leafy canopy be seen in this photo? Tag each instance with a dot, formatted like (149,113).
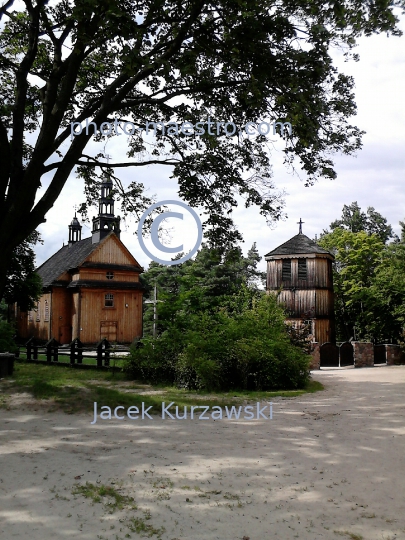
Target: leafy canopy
(368,275)
(215,279)
(147,60)
(23,285)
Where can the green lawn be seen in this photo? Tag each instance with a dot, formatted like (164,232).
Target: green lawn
(75,390)
(65,359)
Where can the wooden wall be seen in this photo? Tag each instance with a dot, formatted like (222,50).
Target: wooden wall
(100,275)
(36,322)
(61,320)
(319,274)
(112,251)
(312,298)
(323,329)
(94,315)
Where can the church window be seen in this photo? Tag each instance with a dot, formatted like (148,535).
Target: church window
(286,270)
(46,318)
(38,310)
(30,318)
(109,275)
(109,300)
(302,269)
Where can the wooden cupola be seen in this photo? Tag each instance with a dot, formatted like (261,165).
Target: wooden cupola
(75,231)
(106,221)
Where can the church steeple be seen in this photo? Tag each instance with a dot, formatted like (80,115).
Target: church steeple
(105,222)
(75,231)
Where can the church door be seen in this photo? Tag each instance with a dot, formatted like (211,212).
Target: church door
(65,334)
(108,330)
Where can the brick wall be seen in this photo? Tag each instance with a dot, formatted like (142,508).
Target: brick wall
(394,355)
(316,356)
(363,354)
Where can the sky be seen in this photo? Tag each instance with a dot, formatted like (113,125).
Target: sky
(374,177)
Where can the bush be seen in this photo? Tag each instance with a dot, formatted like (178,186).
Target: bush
(218,351)
(7,332)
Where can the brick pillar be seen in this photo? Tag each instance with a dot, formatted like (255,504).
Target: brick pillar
(395,355)
(363,354)
(316,356)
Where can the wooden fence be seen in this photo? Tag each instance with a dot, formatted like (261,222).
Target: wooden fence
(73,356)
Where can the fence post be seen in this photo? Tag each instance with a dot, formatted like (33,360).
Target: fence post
(103,349)
(29,348)
(76,351)
(52,351)
(72,352)
(32,349)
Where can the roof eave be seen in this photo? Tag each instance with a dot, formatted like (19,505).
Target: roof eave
(273,256)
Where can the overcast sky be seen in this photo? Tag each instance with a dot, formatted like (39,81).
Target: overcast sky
(375,177)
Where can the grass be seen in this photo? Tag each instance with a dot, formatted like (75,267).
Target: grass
(116,361)
(139,526)
(73,390)
(109,496)
(113,500)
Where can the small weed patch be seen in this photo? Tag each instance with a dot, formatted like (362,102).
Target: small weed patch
(140,526)
(107,495)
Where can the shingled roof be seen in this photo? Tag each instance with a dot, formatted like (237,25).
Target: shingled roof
(298,244)
(65,259)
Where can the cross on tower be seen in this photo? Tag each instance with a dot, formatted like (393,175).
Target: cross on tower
(300,223)
(107,157)
(75,209)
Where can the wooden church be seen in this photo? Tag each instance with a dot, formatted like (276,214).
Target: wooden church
(91,287)
(300,273)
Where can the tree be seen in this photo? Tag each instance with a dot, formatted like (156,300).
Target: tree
(355,220)
(387,295)
(202,285)
(23,285)
(357,259)
(99,61)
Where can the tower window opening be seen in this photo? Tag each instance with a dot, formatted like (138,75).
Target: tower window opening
(109,275)
(302,269)
(286,270)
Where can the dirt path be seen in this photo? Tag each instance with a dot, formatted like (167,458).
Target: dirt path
(328,464)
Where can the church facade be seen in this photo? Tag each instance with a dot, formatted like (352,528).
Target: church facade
(91,287)
(299,272)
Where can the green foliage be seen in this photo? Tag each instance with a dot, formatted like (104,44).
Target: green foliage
(357,256)
(355,220)
(97,61)
(368,275)
(217,277)
(222,350)
(23,285)
(7,332)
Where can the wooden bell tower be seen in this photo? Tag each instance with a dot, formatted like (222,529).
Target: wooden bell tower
(300,273)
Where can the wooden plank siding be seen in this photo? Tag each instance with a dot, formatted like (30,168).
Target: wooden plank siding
(311,298)
(76,298)
(101,275)
(319,272)
(94,313)
(112,252)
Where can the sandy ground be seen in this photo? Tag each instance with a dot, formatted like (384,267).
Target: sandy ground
(329,464)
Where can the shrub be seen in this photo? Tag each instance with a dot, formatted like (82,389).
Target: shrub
(7,332)
(219,351)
